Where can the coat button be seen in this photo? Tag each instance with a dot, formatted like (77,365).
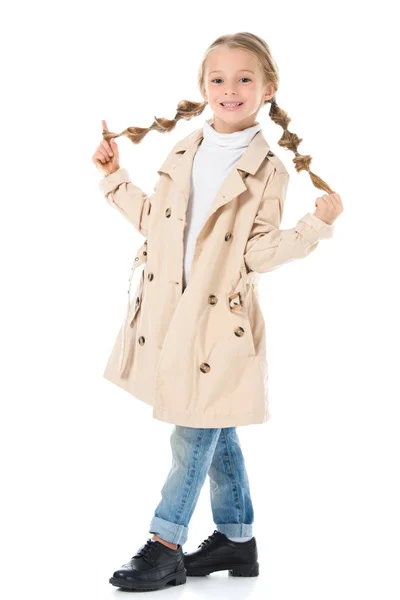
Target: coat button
(136,258)
(150,276)
(270,153)
(204,367)
(228,236)
(144,253)
(212,299)
(137,300)
(141,340)
(168,213)
(239,331)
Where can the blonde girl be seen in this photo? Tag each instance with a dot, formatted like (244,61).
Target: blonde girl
(195,328)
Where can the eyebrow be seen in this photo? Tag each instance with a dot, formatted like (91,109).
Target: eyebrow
(247,70)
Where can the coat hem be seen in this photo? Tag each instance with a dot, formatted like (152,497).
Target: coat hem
(197,420)
(210,421)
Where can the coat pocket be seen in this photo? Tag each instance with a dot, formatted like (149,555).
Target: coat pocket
(237,304)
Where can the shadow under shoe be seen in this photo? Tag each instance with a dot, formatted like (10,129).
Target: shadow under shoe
(219,553)
(151,568)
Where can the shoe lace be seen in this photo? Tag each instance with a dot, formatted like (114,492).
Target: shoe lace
(209,539)
(147,552)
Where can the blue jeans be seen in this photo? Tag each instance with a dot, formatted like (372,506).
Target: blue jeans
(196,452)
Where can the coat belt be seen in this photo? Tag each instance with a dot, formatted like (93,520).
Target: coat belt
(139,259)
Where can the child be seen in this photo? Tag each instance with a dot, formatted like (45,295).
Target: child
(193,342)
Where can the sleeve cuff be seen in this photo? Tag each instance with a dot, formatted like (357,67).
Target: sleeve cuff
(110,182)
(313,228)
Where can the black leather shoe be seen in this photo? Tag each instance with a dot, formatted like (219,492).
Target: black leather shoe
(218,553)
(151,568)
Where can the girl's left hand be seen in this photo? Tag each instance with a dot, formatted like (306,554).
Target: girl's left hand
(329,207)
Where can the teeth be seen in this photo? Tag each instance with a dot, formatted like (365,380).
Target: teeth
(232,104)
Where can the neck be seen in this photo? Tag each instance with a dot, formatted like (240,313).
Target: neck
(223,127)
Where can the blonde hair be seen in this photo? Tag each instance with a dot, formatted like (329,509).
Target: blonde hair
(187,109)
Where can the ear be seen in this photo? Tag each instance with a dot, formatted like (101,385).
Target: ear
(269,92)
(204,94)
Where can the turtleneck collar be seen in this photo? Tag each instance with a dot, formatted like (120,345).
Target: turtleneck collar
(238,139)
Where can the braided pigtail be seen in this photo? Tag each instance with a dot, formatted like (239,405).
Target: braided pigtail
(290,141)
(185,110)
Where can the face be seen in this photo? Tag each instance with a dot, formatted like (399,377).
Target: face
(233,75)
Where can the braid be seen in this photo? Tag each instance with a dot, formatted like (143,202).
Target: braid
(290,141)
(185,110)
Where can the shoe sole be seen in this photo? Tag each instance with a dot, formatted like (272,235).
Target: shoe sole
(177,578)
(251,570)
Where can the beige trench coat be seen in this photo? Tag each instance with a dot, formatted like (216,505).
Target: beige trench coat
(198,355)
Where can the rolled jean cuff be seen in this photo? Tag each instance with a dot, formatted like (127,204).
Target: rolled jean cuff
(236,529)
(169,531)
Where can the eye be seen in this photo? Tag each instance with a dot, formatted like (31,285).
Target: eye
(219,79)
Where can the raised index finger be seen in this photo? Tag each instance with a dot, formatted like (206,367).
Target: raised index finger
(105,128)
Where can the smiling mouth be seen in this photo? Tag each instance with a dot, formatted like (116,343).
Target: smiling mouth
(231,104)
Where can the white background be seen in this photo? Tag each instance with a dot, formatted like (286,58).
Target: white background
(83,462)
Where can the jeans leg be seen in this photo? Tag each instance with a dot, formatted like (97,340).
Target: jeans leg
(192,453)
(231,503)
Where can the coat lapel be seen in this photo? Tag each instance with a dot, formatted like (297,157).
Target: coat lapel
(178,165)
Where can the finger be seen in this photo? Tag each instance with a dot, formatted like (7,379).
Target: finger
(114,146)
(105,128)
(107,147)
(331,200)
(98,158)
(337,200)
(324,199)
(103,159)
(103,153)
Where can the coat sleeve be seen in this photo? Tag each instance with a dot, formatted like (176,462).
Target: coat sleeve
(127,198)
(268,247)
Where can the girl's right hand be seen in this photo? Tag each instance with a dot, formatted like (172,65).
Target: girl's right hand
(106,157)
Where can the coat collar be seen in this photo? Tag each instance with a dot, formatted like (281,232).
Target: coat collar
(178,166)
(249,161)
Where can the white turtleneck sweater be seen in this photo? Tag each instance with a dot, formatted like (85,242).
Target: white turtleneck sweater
(214,159)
